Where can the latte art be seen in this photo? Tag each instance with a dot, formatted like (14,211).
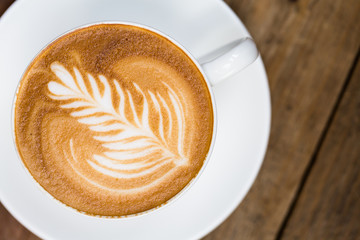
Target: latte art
(134,149)
(113,120)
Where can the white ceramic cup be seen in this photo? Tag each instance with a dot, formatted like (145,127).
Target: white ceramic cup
(214,71)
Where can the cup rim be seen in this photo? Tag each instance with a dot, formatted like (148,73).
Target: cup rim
(213,137)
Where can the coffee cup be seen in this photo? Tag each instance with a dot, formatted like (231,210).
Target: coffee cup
(117,118)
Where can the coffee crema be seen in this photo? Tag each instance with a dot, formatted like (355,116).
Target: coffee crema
(113,119)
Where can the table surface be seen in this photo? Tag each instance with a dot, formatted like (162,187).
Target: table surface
(309,184)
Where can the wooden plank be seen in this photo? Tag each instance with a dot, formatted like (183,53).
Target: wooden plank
(12,229)
(4,4)
(308,48)
(329,206)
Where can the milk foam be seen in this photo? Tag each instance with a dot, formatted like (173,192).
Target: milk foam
(136,149)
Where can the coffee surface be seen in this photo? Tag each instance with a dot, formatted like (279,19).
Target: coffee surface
(113,119)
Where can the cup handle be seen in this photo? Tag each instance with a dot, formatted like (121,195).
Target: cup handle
(231,62)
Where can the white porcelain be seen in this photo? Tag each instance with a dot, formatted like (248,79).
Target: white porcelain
(231,62)
(217,63)
(243,104)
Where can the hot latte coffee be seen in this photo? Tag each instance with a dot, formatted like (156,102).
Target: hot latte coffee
(113,119)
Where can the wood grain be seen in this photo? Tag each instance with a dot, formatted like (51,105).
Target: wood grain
(308,48)
(329,206)
(4,4)
(10,229)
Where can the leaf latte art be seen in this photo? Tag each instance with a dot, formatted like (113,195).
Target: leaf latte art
(134,149)
(113,120)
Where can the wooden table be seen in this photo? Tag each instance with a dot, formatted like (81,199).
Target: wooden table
(309,184)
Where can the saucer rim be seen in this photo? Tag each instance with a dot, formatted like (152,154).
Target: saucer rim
(229,208)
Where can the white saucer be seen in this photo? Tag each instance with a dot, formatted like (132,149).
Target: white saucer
(243,118)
